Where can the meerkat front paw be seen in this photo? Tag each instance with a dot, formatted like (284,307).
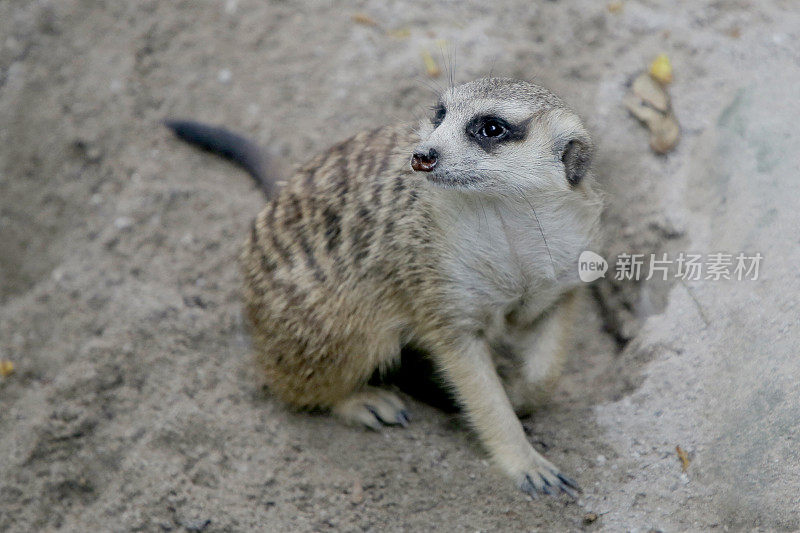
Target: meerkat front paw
(536,475)
(373,407)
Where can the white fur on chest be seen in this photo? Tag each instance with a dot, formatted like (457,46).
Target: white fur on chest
(497,256)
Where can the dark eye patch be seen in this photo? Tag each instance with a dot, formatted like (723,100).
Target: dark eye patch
(439,112)
(488,131)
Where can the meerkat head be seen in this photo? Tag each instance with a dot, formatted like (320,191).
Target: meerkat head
(503,136)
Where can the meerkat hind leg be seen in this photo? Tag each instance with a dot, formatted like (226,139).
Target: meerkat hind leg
(541,352)
(373,407)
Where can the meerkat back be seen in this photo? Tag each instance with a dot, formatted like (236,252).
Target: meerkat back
(323,271)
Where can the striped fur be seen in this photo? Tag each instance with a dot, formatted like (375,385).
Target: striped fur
(357,255)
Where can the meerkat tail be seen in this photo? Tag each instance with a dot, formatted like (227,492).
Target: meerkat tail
(232,146)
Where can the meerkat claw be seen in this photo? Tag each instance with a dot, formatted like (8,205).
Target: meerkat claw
(403,418)
(373,408)
(545,486)
(529,488)
(568,486)
(400,420)
(569,492)
(569,482)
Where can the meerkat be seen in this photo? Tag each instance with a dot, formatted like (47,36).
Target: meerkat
(460,236)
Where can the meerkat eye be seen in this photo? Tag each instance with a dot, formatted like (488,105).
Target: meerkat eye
(492,128)
(439,113)
(491,131)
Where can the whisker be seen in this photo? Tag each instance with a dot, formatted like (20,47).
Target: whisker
(431,85)
(485,218)
(491,69)
(418,108)
(541,230)
(452,66)
(417,118)
(445,63)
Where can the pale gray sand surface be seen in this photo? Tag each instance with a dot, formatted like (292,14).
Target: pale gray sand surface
(135,405)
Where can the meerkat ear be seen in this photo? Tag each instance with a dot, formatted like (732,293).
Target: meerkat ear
(577,156)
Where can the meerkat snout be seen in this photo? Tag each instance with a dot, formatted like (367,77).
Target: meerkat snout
(424,161)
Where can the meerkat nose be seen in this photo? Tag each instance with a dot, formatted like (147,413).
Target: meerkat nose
(422,162)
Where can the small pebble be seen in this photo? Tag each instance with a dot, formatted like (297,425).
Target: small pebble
(93,154)
(224,76)
(357,493)
(778,38)
(57,275)
(123,223)
(197,525)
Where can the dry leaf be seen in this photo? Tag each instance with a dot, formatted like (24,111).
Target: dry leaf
(615,6)
(684,457)
(400,33)
(649,102)
(661,69)
(6,367)
(664,134)
(431,67)
(363,18)
(651,93)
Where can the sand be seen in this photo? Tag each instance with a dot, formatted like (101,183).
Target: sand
(135,405)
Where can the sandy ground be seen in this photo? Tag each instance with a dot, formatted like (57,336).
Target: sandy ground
(135,405)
